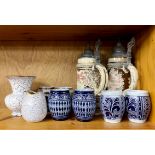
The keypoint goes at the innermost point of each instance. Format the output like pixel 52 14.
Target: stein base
pixel 112 121
pixel 137 121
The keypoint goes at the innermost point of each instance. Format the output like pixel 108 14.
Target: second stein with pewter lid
pixel 122 74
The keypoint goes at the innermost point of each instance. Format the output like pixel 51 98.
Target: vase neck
pixel 20 85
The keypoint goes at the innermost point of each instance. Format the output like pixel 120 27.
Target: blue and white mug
pixel 84 104
pixel 138 105
pixel 112 104
pixel 59 102
pixel 46 91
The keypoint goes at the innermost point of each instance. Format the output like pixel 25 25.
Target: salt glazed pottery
pixel 19 85
pixel 59 102
pixel 84 104
pixel 91 74
pixel 112 105
pixel 138 105
pixel 34 107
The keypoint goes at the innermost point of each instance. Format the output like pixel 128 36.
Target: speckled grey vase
pixel 19 85
pixel 34 107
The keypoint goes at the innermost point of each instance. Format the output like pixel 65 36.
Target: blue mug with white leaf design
pixel 112 105
pixel 138 105
pixel 59 103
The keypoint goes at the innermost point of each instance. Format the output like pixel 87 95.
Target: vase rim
pixel 19 76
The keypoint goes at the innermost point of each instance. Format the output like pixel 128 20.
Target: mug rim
pixel 60 89
pixel 137 93
pixel 84 90
pixel 63 87
pixel 112 92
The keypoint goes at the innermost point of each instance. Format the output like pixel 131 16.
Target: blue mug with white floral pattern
pixel 59 102
pixel 84 104
pixel 112 104
pixel 138 105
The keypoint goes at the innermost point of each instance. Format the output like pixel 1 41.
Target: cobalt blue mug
pixel 59 102
pixel 84 104
pixel 112 105
pixel 138 105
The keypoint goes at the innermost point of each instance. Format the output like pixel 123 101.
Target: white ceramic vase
pixel 19 85
pixel 34 107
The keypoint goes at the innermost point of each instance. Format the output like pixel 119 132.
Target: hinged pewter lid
pixel 119 51
pixel 87 58
pixel 119 54
pixel 88 52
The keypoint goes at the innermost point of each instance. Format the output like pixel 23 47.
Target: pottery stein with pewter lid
pixel 122 74
pixel 90 73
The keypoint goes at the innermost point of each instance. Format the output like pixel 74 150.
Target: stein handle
pixel 134 76
pixel 104 78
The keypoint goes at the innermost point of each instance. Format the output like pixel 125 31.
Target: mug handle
pixel 134 76
pixel 104 78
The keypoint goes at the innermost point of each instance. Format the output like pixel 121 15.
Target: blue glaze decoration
pixel 84 104
pixel 138 108
pixel 112 107
pixel 59 102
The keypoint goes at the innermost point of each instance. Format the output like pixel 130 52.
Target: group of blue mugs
pixel 113 104
pixel 61 101
pixel 135 103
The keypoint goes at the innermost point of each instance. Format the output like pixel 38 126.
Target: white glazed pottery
pixel 34 107
pixel 19 85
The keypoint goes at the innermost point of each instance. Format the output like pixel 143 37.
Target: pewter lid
pixel 119 50
pixel 88 52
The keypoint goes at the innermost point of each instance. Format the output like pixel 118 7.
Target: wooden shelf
pixel 68 32
pixel 51 52
pixel 8 122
